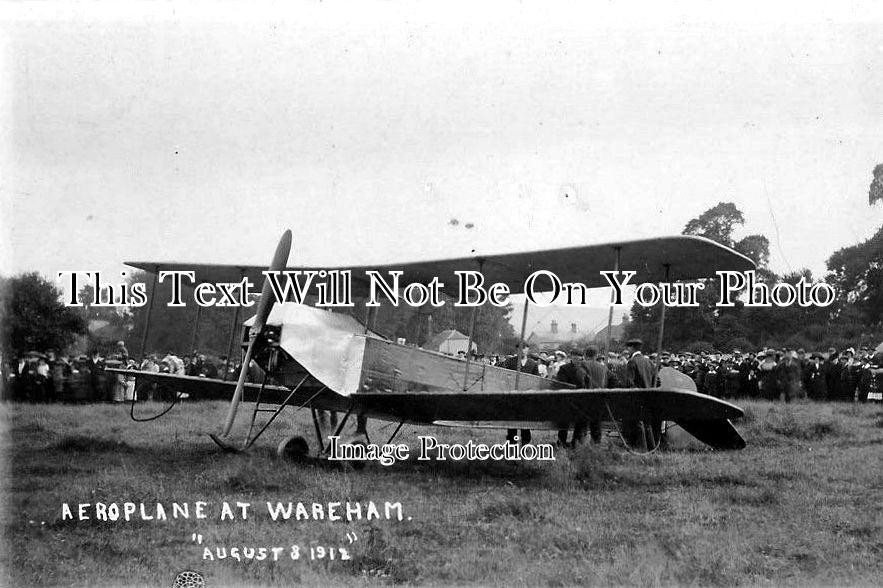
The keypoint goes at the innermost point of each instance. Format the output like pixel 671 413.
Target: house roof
pixel 446 335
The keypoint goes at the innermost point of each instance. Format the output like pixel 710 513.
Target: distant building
pixel 617 333
pixel 449 341
pixel 555 337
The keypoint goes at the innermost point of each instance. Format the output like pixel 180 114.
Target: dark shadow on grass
pixel 78 453
pixel 808 432
pixel 471 472
pixel 781 426
pixel 720 480
pixel 264 476
pixel 382 559
pixel 27 428
pixel 83 444
pixel 511 507
pixel 753 497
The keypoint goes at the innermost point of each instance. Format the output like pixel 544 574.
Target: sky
pixel 380 132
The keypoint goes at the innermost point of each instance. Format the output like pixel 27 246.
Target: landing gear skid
pixel 249 439
pixel 223 444
pixel 296 448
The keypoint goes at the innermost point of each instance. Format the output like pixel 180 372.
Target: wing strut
pixel 469 344
pixel 521 342
pixel 195 328
pixel 394 433
pixel 233 333
pixel 610 313
pixel 662 314
pixel 149 311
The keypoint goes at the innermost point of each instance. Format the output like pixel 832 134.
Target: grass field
pixel 802 505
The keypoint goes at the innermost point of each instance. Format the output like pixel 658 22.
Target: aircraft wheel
pixel 294 449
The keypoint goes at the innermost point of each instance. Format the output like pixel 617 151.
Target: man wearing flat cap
pixel 528 366
pixel 789 376
pixel 640 373
pixel 574 374
pixel 596 377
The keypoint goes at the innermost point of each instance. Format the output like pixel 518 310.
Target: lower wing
pixel 564 406
pixel 705 417
pixel 216 389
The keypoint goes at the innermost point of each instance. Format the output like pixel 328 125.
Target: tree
pixel 857 275
pixel 493 333
pixel 686 325
pixel 756 248
pixel 875 191
pixel 105 324
pixel 716 223
pixel 723 328
pixel 172 328
pixel 33 317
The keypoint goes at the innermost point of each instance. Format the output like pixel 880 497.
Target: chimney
pixel 554 327
pixel 573 327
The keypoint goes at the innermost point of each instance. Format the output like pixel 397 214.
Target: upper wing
pixel 686 258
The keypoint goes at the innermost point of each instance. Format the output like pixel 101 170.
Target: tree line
pixel 855 317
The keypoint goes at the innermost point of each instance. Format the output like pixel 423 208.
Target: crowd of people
pixel 589 369
pixel 784 374
pixel 52 377
pixel 770 374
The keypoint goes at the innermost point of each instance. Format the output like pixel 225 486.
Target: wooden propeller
pixel 265 305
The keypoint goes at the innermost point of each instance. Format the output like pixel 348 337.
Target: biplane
pixel 326 361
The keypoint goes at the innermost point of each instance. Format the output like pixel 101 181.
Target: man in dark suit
pixel 789 375
pixel 640 373
pixel 849 375
pixel 596 377
pixel 528 366
pixel 95 365
pixel 747 377
pixel 573 373
pixel 831 369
